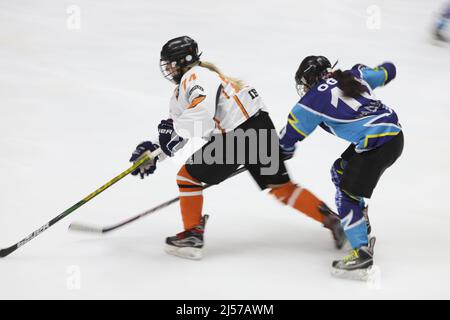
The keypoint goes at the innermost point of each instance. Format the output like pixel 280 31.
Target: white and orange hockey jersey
pixel 206 103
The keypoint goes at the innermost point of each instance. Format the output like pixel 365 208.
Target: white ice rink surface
pixel 74 104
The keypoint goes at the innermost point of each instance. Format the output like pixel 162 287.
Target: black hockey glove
pixel 168 139
pixel 148 167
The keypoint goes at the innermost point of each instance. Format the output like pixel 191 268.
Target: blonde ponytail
pixel 237 83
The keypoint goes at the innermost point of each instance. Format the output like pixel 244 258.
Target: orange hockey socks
pixel 300 199
pixel 191 198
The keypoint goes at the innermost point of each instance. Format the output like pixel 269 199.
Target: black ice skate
pixel 357 264
pixel 333 223
pixel 189 243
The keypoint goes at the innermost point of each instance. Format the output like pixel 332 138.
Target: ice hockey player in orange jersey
pixel 232 117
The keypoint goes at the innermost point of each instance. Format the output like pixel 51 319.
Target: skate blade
pixel 187 253
pixel 359 274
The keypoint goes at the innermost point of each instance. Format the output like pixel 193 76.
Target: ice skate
pixel 189 243
pixel 357 265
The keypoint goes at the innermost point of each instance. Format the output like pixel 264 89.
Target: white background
pixel 75 102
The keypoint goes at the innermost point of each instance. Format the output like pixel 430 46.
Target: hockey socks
pixel 191 198
pixel 300 199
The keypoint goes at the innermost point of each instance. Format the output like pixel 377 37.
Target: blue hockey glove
pixel 390 71
pixel 150 166
pixel 168 139
pixel 287 144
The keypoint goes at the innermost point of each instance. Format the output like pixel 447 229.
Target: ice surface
pixel 74 103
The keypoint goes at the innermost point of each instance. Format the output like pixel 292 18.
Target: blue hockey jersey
pixel 364 121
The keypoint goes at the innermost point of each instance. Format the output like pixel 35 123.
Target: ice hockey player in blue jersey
pixel 442 25
pixel 343 104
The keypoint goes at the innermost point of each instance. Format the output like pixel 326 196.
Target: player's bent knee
pixel 352 197
pixel 336 171
pixel 184 178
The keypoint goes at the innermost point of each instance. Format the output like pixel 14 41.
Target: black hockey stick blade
pixel 7 251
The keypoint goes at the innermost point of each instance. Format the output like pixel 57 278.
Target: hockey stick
pixel 75 226
pixel 147 156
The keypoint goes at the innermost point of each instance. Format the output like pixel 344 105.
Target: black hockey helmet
pixel 311 70
pixel 177 54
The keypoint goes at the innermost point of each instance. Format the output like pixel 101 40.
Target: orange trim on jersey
pixel 193 77
pixel 228 82
pixel 196 101
pixel 218 125
pixel 226 95
pixel 241 106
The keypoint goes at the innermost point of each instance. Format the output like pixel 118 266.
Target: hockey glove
pixel 390 71
pixel 150 166
pixel 287 145
pixel 168 139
